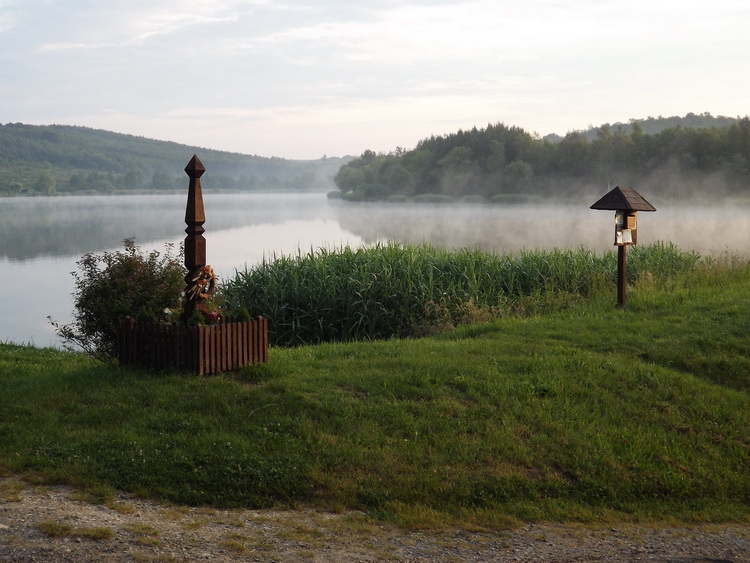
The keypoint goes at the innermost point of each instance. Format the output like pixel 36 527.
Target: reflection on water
pixel 233 249
pixel 40 287
pixel 41 238
pixel 65 226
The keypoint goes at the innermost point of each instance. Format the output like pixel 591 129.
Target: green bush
pixel 434 198
pixel 115 285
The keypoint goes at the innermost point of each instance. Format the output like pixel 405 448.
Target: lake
pixel 42 238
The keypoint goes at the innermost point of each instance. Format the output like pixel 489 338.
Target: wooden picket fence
pixel 199 349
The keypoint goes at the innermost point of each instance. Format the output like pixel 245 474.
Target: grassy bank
pixel 586 414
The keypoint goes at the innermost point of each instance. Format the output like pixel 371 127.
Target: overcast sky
pixel 303 79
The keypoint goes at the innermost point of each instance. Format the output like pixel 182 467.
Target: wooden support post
pixel 622 276
pixel 195 244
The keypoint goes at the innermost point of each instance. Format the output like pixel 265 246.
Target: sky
pixel 307 79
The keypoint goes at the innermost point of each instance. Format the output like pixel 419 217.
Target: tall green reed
pixel 393 290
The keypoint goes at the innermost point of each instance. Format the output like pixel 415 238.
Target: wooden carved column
pixel 199 281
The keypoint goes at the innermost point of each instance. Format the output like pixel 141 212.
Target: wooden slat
pixel 245 337
pixel 235 346
pixel 256 340
pixel 224 350
pixel 200 346
pixel 253 342
pixel 232 346
pixel 264 323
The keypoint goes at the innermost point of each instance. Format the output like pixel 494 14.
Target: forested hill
pixel 36 159
pixel 696 155
pixel 653 125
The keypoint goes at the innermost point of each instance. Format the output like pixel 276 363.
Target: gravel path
pixel 54 524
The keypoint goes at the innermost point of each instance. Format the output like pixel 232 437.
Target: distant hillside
pixel 694 156
pixel 62 158
pixel 654 125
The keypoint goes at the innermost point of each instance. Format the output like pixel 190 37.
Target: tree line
pixel 698 155
pixel 49 159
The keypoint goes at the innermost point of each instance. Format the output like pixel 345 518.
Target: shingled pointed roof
pixel 623 199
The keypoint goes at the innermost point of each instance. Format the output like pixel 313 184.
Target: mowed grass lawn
pixel 588 414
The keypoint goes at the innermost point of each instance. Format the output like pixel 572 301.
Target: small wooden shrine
pixel 625 202
pixel 203 348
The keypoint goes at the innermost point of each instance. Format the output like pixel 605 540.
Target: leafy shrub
pixel 115 285
pixel 398 198
pixel 434 198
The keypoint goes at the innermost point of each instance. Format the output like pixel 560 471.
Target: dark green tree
pixel 45 183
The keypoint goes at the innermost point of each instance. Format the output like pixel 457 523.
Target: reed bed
pixel 394 290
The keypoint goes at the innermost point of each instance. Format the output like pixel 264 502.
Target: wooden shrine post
pixel 622 274
pixel 199 281
pixel 625 202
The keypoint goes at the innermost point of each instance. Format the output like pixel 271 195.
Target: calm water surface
pixel 42 238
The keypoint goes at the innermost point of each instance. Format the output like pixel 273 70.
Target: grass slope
pixel 589 414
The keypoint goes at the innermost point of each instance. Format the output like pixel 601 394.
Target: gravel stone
pixel 144 530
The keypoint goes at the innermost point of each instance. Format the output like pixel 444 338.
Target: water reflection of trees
pixel 72 226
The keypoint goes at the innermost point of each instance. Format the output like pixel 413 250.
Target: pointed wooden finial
pixel 195 168
pixel 194 213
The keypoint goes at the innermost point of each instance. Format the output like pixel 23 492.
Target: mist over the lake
pixel 708 230
pixel 41 238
